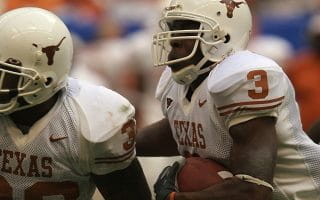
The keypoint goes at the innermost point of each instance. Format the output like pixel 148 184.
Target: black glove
pixel 165 183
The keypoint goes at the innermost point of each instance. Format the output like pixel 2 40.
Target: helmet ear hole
pixel 48 81
pixel 227 37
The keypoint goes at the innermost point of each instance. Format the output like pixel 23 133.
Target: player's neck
pixel 24 119
pixel 195 84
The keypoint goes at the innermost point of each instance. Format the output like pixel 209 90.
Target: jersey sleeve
pixel 107 130
pixel 113 154
pixel 248 92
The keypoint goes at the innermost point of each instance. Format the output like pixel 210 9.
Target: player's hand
pixel 165 183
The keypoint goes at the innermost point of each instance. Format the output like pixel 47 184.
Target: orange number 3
pixel 262 83
pixel 130 129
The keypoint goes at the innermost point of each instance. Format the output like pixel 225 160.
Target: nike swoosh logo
pixel 53 139
pixel 201 103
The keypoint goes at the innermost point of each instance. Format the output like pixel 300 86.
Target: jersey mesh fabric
pixel 307 148
pixel 197 129
pixel 297 162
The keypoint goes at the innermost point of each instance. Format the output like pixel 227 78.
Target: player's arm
pixel 126 184
pixel 107 144
pixel 156 140
pixel 314 132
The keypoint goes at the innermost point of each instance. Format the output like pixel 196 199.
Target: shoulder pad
pixel 102 111
pixel 247 85
pixel 233 70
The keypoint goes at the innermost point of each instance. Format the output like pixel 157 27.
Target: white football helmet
pixel 225 27
pixel 36 47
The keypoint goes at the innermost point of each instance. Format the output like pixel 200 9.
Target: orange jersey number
pixel 130 129
pixel 262 84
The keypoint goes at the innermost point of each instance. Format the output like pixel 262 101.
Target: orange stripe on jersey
pixel 115 158
pixel 250 103
pixel 255 109
pixel 114 161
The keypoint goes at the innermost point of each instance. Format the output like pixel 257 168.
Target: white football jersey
pixel 244 86
pixel 89 130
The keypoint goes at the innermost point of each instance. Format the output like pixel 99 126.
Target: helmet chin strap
pixel 190 73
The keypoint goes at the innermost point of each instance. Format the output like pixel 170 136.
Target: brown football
pixel 198 173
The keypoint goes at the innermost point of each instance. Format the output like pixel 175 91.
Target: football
pixel 198 173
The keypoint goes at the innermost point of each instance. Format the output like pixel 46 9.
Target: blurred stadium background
pixel 112 40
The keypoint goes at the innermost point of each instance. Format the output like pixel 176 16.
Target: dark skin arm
pixel 253 153
pixel 314 132
pixel 127 184
pixel 156 140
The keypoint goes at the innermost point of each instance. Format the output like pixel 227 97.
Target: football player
pixel 225 103
pixel 60 138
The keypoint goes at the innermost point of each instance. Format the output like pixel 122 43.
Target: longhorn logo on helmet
pixel 231 5
pixel 51 50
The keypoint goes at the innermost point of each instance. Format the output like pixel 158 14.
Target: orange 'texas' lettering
pixel 46 163
pixel 202 142
pixel 33 167
pixel 7 156
pixel 189 134
pixel 20 164
pixel 19 157
pixel 185 126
